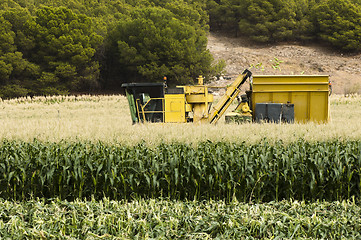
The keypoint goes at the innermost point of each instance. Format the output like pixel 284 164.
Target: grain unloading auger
pixel 270 98
pixel 232 92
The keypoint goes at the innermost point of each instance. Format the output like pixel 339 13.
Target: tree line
pixel 61 46
pixel 336 23
pixel 57 47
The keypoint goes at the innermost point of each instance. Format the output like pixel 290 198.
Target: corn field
pixel 220 171
pixel 107 119
pixel 75 168
pixel 164 219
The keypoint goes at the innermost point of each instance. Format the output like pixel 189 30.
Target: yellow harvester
pixel 270 98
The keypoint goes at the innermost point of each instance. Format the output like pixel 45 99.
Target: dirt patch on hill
pixel 287 59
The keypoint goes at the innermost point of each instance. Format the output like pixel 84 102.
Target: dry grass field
pixel 107 118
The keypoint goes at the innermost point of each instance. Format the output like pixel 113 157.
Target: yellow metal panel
pixel 283 97
pixel 174 108
pixel 304 87
pixel 199 98
pixel 290 79
pixel 261 98
pixel 188 107
pixel 317 112
pixel 300 100
pixel 194 89
pixel 309 94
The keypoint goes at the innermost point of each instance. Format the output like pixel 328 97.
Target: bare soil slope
pixel 292 59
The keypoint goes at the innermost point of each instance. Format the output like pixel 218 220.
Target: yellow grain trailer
pixel 308 94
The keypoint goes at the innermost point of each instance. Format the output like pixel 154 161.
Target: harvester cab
pixel 145 101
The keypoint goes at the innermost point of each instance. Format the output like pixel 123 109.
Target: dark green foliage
pixel 82 46
pixel 226 14
pixel 260 172
pixel 62 46
pixel 159 38
pixel 65 45
pixel 7 36
pixel 276 20
pixel 154 42
pixel 16 72
pixel 336 22
pixel 50 53
pixel 262 20
pixel 13 90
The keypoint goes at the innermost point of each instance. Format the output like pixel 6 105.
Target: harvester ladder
pixel 232 91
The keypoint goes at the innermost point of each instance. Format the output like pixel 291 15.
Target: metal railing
pixel 142 112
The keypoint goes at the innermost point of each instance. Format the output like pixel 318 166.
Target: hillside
pixel 344 70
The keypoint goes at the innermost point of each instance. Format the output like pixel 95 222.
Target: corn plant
pixel 220 170
pixel 168 219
